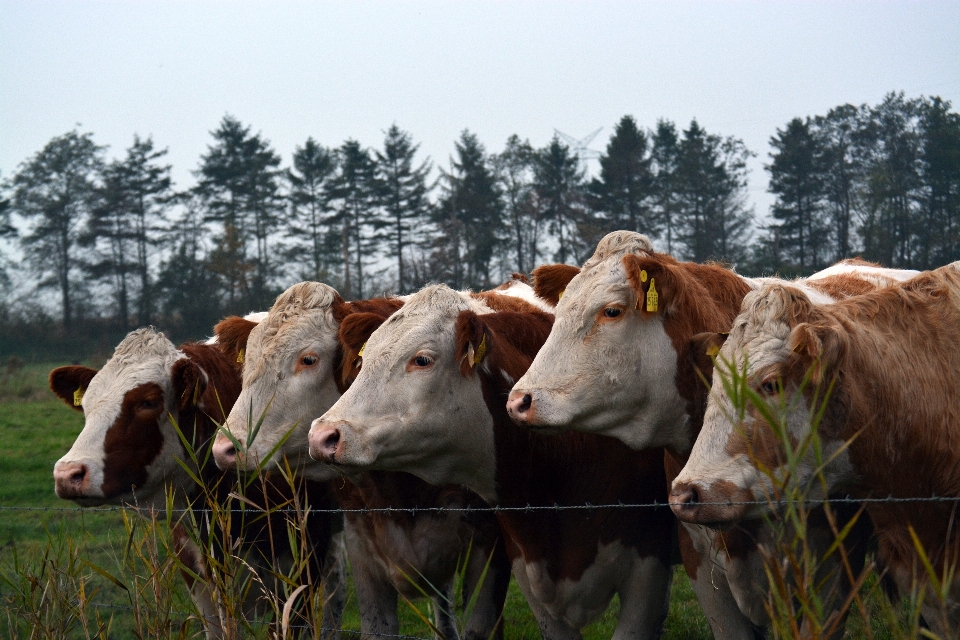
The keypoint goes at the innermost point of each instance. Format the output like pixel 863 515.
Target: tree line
pixel 121 246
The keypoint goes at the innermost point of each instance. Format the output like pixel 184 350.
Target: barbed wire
pixel 493 508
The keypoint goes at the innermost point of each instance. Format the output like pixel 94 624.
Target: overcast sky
pixel 340 70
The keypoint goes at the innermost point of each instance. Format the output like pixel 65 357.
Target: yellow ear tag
pixel 362 347
pixel 78 397
pixel 560 295
pixel 474 357
pixel 713 351
pixel 240 356
pixel 643 275
pixel 653 298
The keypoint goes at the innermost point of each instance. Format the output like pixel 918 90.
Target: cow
pixel 619 362
pixel 131 453
pixel 429 400
pixel 294 369
pixel 881 371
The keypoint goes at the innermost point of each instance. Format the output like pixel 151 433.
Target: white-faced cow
pixel 295 368
pixel 130 452
pixel 620 361
pixel 429 399
pixel 887 368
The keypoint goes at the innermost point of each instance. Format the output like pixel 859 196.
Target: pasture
pixel 106 573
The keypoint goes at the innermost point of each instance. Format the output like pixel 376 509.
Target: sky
pixel 338 70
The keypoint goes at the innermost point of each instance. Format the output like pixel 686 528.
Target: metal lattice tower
pixel 581 147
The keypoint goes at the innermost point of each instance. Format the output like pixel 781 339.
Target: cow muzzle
pixel 719 507
pixel 224 453
pixel 326 440
pixel 73 481
pixel 520 407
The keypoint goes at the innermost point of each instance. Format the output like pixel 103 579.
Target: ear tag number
pixel 653 298
pixel 474 357
pixel 240 356
pixel 78 397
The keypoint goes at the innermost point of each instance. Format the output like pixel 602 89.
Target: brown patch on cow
pixel 355 330
pixel 842 285
pixel 232 334
pixel 550 280
pixel 499 302
pixel 566 470
pixel 133 440
pixel 381 306
pixel 65 381
pixel 188 556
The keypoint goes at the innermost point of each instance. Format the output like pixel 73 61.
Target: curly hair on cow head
pixel 618 243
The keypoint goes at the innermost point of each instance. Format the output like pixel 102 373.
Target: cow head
pixel 777 368
pixel 609 365
pixel 411 408
pixel 129 448
pixel 293 372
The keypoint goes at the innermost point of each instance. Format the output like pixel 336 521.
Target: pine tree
pixel 315 239
pixel 126 225
pixel 623 192
pixel 239 185
pixel 839 168
pixel 403 192
pixel 469 216
pixel 559 186
pixel 514 171
pixel 354 196
pixel 664 158
pixel 940 171
pixel 796 181
pixel 55 190
pixel 711 195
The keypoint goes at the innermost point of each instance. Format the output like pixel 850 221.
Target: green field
pixel 80 547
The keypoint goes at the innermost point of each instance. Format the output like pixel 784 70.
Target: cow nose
pixel 520 406
pixel 325 440
pixel 685 499
pixel 71 480
pixel 225 454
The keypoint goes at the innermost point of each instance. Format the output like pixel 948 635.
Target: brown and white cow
pixel 129 452
pixel 429 399
pixel 884 369
pixel 619 362
pixel 295 368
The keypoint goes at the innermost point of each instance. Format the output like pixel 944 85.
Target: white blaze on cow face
pixel 738 456
pixel 605 367
pixel 288 380
pixel 410 408
pixel 129 447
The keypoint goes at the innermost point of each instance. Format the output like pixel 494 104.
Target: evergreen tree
pixel 940 171
pixel 514 171
pixel 309 224
pixel 126 225
pixel 559 185
pixel 239 185
pixel 664 158
pixel 711 196
pixel 55 190
pixel 839 169
pixel 469 216
pixel 796 181
pixel 623 192
pixel 354 194
pixel 403 192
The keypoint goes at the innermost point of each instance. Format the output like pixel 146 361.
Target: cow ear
pixel 550 281
pixel 355 330
pixel 653 282
pixel 820 348
pixel 189 383
pixel 69 383
pixel 232 334
pixel 472 342
pixel 704 348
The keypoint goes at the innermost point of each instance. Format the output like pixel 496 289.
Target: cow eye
pixel 422 361
pixel 769 387
pixel 309 360
pixel 147 405
pixel 612 312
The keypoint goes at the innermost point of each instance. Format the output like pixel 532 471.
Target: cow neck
pixel 709 300
pixel 199 421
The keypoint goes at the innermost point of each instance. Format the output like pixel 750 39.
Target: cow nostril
pixel 76 478
pixel 330 442
pixel 693 497
pixel 525 403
